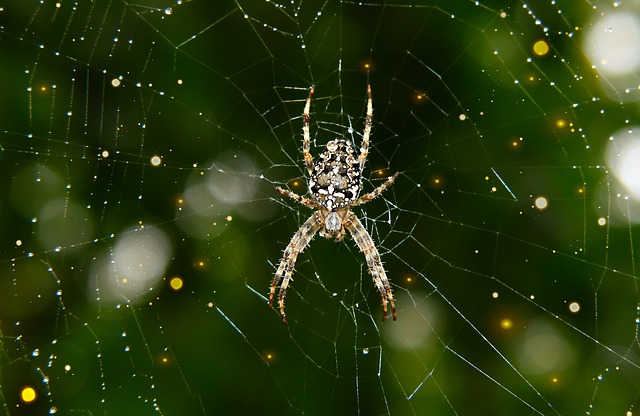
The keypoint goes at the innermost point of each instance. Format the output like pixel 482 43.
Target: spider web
pixel 140 143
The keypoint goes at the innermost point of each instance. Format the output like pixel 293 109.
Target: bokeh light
pixel 63 224
pixel 612 44
pixel 415 329
pixel 543 350
pixel 541 203
pixel 28 394
pixel 623 158
pixel 541 48
pixel 136 264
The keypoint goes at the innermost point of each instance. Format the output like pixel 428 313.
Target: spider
pixel 335 182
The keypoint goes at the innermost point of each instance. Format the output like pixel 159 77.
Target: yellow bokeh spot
pixel 541 203
pixel 541 48
pixel 163 360
pixel 560 123
pixel 574 307
pixel 156 160
pixel 176 283
pixel 28 394
pixel 409 279
pixel 436 181
pixel 201 264
pixel 506 323
pixel 418 97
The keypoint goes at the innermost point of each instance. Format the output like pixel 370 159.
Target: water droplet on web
pixel 168 11
pixel 365 351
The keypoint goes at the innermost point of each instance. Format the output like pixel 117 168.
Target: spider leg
pixel 299 199
pixel 380 189
pixel 306 142
pixel 364 150
pixel 367 246
pixel 298 243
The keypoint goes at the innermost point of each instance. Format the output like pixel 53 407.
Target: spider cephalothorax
pixel 335 182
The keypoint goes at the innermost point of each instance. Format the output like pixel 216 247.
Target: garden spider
pixel 335 182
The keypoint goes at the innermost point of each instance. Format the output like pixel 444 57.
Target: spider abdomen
pixel 335 181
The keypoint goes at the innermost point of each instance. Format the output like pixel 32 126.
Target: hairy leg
pixel 298 243
pixel 380 189
pixel 367 246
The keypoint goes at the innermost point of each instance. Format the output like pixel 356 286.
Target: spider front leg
pixel 306 141
pixel 373 194
pixel 368 121
pixel 298 243
pixel 298 198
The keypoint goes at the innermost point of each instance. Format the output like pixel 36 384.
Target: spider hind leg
pixel 298 243
pixel 367 247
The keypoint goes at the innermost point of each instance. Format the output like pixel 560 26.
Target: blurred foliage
pixel 477 125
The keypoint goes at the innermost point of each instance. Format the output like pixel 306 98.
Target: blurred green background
pixel 139 147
